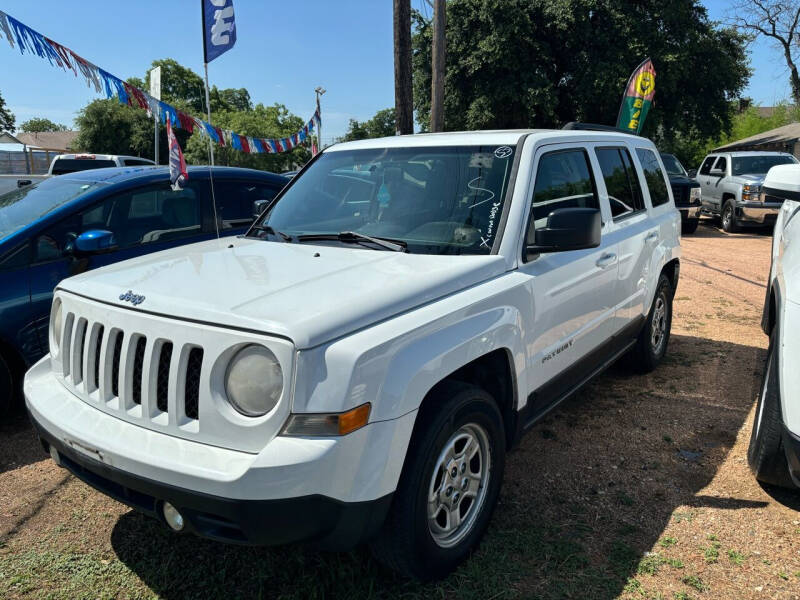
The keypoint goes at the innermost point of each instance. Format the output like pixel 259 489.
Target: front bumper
pixel 689 212
pixel 332 490
pixel 758 213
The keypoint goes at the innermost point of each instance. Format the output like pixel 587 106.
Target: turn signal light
pixel 328 424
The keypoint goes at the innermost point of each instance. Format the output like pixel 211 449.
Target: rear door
pixel 572 293
pixel 704 178
pixel 630 230
pixel 716 178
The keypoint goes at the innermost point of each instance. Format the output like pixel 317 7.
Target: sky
pixel 283 51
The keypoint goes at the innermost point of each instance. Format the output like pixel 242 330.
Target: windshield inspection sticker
pixel 503 152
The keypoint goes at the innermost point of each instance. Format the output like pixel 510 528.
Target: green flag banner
pixel 638 97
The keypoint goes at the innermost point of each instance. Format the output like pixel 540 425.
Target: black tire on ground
pixel 651 345
pixel 689 225
pixel 765 454
pixel 728 218
pixel 8 390
pixel 415 544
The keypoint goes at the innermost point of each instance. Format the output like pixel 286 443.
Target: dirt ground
pixel 636 488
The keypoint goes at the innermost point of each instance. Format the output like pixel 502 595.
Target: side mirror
pixel 94 241
pixel 717 173
pixel 691 173
pixel 259 206
pixel 568 229
pixel 23 182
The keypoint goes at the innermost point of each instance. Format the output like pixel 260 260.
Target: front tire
pixel 729 218
pixel 690 225
pixel 449 486
pixel 651 345
pixel 765 454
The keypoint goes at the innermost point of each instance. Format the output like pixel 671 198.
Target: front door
pixel 572 293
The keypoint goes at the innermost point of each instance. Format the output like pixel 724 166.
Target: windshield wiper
pixel 353 237
pixel 271 231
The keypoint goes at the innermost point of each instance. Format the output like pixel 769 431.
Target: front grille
pixel 193 367
pixel 119 370
pixel 681 194
pixel 138 364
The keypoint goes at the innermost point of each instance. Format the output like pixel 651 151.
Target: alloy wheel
pixel 658 329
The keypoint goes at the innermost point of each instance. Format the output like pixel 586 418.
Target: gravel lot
pixel 636 488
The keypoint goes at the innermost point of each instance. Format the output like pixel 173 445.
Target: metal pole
pixel 155 136
pixel 319 122
pixel 438 66
pixel 208 112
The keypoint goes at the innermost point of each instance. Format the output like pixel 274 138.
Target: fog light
pixel 173 517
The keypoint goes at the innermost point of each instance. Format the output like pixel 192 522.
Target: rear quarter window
pixel 654 176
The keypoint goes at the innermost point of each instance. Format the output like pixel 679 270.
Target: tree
pixel 39 124
pixel 108 127
pixel 381 125
pixel 516 63
pixel 778 20
pixel 7 120
pixel 262 121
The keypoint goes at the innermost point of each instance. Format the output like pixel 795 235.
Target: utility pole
pixel 403 94
pixel 438 65
pixel 319 91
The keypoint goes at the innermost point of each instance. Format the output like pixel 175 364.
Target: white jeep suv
pixel 357 365
pixel 774 452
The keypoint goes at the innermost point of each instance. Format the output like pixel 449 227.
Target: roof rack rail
pixel 576 126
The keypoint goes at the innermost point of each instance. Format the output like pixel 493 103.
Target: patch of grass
pixel 668 541
pixel 622 558
pixel 667 438
pixel 675 563
pixel 632 586
pixel 650 564
pixel 735 557
pixel 783 575
pixel 711 554
pixel 682 596
pixel 693 581
pixel 684 516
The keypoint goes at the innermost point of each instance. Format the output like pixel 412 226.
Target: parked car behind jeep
pixel 731 188
pixel 685 191
pixel 80 221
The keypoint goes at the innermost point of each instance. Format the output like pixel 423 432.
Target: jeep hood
pixel 307 293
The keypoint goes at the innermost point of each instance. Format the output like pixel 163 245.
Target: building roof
pixel 786 134
pixel 52 140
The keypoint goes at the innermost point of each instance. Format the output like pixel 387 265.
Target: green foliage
pixel 7 120
pixel 381 125
pixel 108 127
pixel 262 121
pixel 38 124
pixel 515 63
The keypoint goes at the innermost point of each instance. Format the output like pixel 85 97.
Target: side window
pixel 654 176
pixel 705 168
pixel 54 242
pixel 132 162
pixel 235 201
pixel 563 180
pixel 622 184
pixel 722 164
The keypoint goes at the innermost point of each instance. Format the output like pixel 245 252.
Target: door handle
pixel 606 260
pixel 651 237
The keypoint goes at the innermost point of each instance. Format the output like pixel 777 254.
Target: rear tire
pixel 690 225
pixel 651 345
pixel 765 454
pixel 8 390
pixel 447 491
pixel 728 218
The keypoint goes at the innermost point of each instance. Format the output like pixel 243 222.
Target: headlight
pixel 55 326
pixel 254 381
pixel 694 193
pixel 751 189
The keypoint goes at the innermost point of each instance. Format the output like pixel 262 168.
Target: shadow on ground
pixel 710 228
pixel 587 494
pixel 19 445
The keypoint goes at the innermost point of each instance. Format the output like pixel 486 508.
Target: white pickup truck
pixel 774 452
pixel 357 365
pixel 70 163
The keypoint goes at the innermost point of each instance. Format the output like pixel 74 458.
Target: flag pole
pixel 208 112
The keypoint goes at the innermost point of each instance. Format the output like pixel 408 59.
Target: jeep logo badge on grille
pixel 134 299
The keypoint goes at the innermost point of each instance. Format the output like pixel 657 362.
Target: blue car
pixel 72 223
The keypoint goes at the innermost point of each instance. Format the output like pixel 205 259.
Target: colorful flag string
pixel 103 82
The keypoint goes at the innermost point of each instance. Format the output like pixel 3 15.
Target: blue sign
pixel 219 27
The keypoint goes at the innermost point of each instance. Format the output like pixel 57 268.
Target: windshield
pixel 673 165
pixel 759 164
pixel 25 205
pixel 438 200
